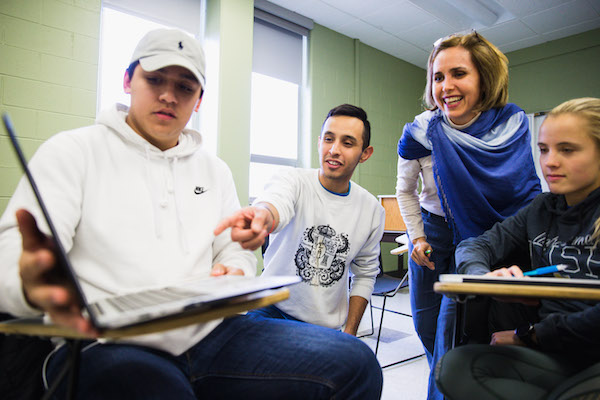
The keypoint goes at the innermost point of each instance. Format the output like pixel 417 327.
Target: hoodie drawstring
pixel 158 198
pixel 182 235
pixel 153 194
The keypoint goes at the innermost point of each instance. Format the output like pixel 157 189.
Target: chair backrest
pixel 264 246
pixel 393 218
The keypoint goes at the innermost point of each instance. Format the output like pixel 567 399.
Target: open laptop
pixel 192 296
pixel 528 280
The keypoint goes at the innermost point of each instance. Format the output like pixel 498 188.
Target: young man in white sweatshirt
pixel 322 227
pixel 134 199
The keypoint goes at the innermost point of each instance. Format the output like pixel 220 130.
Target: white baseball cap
pixel 165 47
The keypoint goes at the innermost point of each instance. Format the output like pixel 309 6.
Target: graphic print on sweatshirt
pixel 321 256
pixel 580 254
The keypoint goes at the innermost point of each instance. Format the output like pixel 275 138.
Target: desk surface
pixel 506 290
pixel 35 326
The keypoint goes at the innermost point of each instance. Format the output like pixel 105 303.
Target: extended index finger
pixel 237 219
pixel 227 222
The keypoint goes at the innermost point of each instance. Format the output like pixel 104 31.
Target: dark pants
pixel 243 358
pixel 485 372
pixel 433 314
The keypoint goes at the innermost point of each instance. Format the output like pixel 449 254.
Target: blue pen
pixel 546 270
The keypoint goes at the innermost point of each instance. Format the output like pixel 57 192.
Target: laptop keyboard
pixel 135 301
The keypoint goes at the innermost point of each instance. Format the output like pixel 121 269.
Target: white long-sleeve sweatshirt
pixel 322 237
pixel 128 214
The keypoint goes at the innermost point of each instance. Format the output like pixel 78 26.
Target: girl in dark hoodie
pixel 544 358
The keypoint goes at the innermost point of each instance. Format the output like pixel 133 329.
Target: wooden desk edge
pixel 537 291
pixel 34 327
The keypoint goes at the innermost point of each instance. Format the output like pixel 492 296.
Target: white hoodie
pixel 128 214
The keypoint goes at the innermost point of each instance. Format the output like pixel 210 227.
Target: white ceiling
pixel 407 28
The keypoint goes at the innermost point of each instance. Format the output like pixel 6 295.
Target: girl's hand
pixel 513 271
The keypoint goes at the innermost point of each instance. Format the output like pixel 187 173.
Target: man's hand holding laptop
pixel 45 290
pixel 42 287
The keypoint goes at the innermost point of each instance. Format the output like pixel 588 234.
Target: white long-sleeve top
pixel 409 201
pixel 321 237
pixel 129 216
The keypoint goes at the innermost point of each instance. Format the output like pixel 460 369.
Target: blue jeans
pixel 271 312
pixel 242 358
pixel 433 314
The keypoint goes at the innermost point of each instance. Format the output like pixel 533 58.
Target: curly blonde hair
pixel 490 62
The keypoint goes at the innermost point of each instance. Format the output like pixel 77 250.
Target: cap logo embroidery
pixel 180 46
pixel 199 190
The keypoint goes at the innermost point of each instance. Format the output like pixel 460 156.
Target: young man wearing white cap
pixel 135 199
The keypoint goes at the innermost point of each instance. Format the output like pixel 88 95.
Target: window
pixel 124 23
pixel 120 32
pixel 277 81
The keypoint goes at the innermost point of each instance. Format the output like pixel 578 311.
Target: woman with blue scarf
pixel 472 153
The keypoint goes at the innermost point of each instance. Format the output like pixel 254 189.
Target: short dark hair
pixel 353 111
pixel 131 68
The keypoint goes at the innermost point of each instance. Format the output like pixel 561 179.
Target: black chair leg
pixel 75 357
pixel 380 324
pixel 379 336
pixel 372 323
pixel 70 367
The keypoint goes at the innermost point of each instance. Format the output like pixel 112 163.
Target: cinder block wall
pixel 48 73
pixel 343 70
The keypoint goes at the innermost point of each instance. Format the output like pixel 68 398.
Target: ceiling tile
pixel 595 4
pixel 297 6
pixel 398 17
pixel 523 8
pixel 572 30
pixel 425 35
pixel 397 46
pixel 360 29
pixel 507 33
pixel 446 12
pixel 520 44
pixel 359 8
pixel 407 28
pixel 326 15
pixel 572 13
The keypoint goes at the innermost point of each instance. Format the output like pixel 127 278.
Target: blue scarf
pixel 483 174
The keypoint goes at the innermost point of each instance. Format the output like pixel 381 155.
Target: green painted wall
pixel 343 70
pixel 390 91
pixel 229 26
pixel 543 76
pixel 331 78
pixel 48 73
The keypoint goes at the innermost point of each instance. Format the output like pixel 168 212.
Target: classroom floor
pixel 406 381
